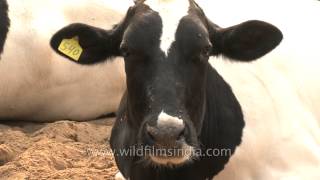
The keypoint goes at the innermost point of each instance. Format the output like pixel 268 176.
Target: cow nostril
pixel 150 135
pixel 150 132
pixel 181 134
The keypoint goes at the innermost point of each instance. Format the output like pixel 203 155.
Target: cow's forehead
pixel 171 12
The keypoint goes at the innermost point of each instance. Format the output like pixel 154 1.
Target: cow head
pixel 166 57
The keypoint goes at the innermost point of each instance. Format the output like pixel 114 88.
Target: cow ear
pixel 246 41
pixel 86 44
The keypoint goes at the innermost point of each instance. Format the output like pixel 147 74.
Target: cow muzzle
pixel 167 139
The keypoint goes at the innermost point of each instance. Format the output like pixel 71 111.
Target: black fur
pixel 181 83
pixel 4 23
pixel 221 129
pixel 247 41
pixel 97 43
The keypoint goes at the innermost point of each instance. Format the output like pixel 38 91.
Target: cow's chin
pixel 184 155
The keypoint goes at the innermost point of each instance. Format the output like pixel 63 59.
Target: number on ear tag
pixel 71 48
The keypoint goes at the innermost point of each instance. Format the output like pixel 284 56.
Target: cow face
pixel 166 61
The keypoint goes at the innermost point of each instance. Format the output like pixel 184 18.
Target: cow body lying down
pixel 38 85
pixel 279 93
pixel 176 104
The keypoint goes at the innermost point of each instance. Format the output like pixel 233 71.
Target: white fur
pixel 279 93
pixel 38 84
pixel 119 176
pixel 166 120
pixel 171 12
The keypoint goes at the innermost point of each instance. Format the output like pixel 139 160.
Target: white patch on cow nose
pixel 171 12
pixel 166 120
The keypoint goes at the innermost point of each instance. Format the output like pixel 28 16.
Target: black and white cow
pixel 175 102
pixel 36 84
pixel 4 23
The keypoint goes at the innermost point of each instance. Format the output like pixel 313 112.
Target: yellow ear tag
pixel 71 48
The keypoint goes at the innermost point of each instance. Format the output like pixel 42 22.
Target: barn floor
pixel 60 150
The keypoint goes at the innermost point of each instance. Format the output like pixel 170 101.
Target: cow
pixel 38 85
pixel 279 94
pixel 176 108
